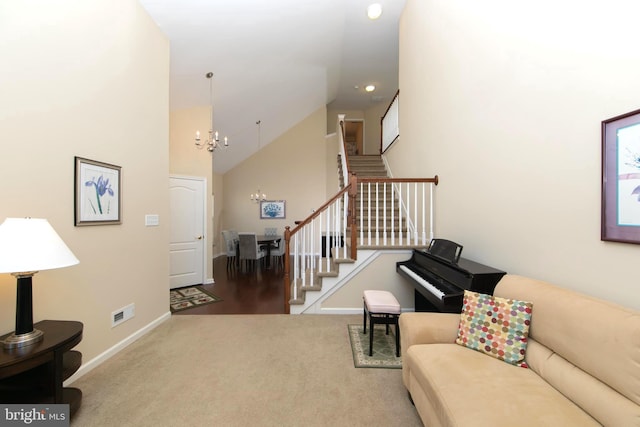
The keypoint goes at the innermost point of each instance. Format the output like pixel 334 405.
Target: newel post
pixel 353 230
pixel 287 266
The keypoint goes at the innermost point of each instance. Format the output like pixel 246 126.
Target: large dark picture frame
pixel 98 195
pixel 621 178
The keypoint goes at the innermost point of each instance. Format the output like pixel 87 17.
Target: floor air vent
pixel 122 315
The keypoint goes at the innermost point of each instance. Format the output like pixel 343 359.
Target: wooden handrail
pixel 317 212
pixel 392 180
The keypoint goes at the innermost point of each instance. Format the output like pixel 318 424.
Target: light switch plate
pixel 151 220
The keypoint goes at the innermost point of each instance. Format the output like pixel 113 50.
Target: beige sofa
pixel 583 356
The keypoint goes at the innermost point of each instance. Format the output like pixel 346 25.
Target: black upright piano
pixel 440 281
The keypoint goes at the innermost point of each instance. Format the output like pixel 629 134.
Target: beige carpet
pixel 243 370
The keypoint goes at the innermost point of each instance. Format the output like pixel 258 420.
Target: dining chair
pixel 249 249
pixel 231 247
pixel 278 252
pixel 271 231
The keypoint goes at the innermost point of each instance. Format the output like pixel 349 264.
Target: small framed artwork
pixel 621 178
pixel 272 209
pixel 98 193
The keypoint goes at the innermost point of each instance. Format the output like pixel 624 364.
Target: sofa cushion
pixel 495 326
pixel 599 337
pixel 466 388
pixel 591 352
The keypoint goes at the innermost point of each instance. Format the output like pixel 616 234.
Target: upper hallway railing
pixel 390 124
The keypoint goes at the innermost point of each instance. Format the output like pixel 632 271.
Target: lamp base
pixel 23 340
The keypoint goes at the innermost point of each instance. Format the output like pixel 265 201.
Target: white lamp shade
pixel 31 244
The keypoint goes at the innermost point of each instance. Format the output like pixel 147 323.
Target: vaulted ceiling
pixel 276 61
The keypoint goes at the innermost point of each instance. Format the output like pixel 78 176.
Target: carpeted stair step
pixel 315 285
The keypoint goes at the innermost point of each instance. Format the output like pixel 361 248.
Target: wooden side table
pixel 35 373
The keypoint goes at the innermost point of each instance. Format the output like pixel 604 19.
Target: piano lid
pixel 445 249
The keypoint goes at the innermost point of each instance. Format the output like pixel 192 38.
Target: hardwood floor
pixel 243 291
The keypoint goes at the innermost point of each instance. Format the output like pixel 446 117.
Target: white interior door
pixel 186 247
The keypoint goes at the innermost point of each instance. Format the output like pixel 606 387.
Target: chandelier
pixel 213 141
pixel 258 196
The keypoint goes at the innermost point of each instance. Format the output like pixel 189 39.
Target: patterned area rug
pixel 189 297
pixel 384 348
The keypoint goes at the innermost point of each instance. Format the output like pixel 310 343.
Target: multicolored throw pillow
pixel 498 327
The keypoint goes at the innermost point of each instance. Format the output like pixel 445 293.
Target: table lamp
pixel 28 245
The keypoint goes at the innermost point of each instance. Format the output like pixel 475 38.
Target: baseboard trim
pixel 109 353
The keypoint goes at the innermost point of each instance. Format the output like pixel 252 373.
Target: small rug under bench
pixel 384 348
pixel 190 297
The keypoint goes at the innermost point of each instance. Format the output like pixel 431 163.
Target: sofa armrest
pixel 428 328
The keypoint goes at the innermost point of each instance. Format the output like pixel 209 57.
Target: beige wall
pixel 290 168
pixel 333 180
pixel 504 102
pixel 87 79
pixel 372 128
pixel 380 274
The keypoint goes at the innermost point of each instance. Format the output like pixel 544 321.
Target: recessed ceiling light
pixel 374 11
pixel 370 88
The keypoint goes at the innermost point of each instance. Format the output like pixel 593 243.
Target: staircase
pixel 367 166
pixel 372 212
pixel 374 205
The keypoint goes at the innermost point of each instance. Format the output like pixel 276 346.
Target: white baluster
pixel 296 272
pixel 384 214
pixel 431 212
pixel 408 221
pixel 415 213
pixel 400 213
pixel 393 214
pixel 369 213
pixel 377 215
pixel 424 214
pixel 312 251
pixel 345 209
pixel 361 213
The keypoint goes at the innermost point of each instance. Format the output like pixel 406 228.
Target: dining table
pixel 266 241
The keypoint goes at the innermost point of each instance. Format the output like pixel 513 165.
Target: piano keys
pixel 440 284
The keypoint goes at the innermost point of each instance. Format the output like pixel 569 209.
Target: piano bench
pixel 382 308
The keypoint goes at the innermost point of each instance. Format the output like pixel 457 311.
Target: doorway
pixel 188 231
pixel 354 137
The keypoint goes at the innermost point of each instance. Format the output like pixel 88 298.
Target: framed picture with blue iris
pixel 272 209
pixel 98 196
